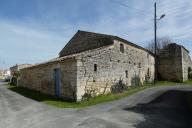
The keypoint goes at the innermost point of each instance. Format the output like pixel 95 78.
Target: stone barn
pixel 174 63
pixel 90 61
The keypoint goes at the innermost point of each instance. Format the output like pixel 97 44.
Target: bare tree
pixel 161 43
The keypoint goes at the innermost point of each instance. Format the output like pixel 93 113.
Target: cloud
pixel 29 31
pixel 40 35
pixel 20 44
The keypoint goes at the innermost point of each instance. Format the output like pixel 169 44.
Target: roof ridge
pixel 117 37
pixel 96 36
pixel 95 33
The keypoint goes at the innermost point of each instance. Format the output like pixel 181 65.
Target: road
pixel 160 107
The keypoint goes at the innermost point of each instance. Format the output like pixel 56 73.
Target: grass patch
pixel 58 102
pixel 188 82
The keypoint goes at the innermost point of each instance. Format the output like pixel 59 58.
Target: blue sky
pixel 32 31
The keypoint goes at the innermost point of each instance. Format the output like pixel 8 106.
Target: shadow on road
pixel 170 110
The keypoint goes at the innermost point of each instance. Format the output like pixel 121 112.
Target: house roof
pixel 83 41
pixel 59 59
pixel 52 61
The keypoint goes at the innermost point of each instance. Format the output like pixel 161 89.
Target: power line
pixel 143 12
pixel 172 4
pixel 174 9
pixel 139 10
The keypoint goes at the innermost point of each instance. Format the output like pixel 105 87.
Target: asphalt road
pixel 161 107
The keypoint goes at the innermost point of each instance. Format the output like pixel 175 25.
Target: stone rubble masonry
pixel 173 63
pixel 93 62
pixel 78 75
pixel 186 63
pixel 112 66
pixel 41 78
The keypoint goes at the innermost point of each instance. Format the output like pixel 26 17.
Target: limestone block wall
pixel 100 68
pixel 170 63
pixel 41 78
pixel 69 79
pixel 186 63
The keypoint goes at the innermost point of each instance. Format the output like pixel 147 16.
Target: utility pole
pixel 155 39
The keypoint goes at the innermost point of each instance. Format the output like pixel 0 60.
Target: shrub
pixel 119 87
pixel 89 94
pixel 14 81
pixel 135 81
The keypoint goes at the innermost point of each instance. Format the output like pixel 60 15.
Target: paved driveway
pixel 17 111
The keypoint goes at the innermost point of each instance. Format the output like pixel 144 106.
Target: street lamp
pixel 155 38
pixel 162 16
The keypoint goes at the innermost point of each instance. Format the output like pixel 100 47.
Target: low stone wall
pixel 41 78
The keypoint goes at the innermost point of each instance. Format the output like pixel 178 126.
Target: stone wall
pixel 41 78
pixel 133 66
pixel 186 63
pixel 69 79
pixel 96 70
pixel 170 63
pixel 173 63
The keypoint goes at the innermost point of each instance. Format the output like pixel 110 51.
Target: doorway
pixel 57 79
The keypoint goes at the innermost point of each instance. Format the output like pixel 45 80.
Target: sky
pixel 33 31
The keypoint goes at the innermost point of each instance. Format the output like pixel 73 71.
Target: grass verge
pixel 57 102
pixel 188 82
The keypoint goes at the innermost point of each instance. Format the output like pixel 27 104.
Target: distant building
pixel 5 74
pixel 15 72
pixel 174 63
pixel 17 68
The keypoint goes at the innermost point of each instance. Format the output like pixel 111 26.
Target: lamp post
pixel 155 39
